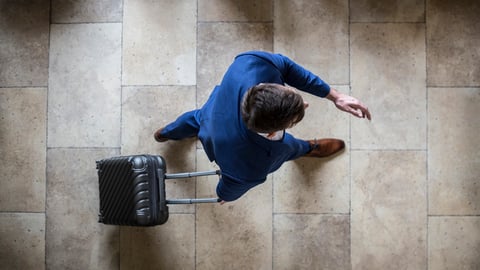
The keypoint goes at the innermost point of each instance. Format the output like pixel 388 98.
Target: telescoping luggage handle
pixel 188 175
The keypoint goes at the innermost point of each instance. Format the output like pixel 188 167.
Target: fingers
pixel 361 111
pixel 353 106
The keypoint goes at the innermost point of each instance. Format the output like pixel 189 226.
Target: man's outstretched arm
pixel 349 104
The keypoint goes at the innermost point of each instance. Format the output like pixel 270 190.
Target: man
pixel 242 125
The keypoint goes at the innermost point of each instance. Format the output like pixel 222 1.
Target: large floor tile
pixel 453 243
pixel 74 238
pixel 24 32
pixel 310 185
pixel 23 241
pixel 311 242
pixel 453 40
pixel 246 10
pixel 71 11
pixel 388 75
pixel 236 235
pixel 219 43
pixel 387 11
pixel 453 151
pixel 314 34
pixel 23 149
pixel 159 42
pixel 84 85
pixel 144 110
pixel 169 246
pixel 389 210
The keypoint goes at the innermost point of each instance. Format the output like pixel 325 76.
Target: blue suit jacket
pixel 244 157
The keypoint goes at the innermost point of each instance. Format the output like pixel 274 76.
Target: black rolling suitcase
pixel 132 190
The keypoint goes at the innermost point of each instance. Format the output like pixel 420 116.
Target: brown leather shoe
pixel 158 137
pixel 324 147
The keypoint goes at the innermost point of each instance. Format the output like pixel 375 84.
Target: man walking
pixel 242 124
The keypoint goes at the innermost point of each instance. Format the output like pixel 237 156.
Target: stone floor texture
pixel 85 80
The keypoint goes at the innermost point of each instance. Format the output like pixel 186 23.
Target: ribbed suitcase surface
pixel 132 190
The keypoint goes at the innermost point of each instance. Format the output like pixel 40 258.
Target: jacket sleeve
pixel 295 75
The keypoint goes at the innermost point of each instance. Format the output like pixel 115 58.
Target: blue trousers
pixel 185 126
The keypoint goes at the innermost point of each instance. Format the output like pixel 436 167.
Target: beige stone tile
pixel 311 242
pixel 316 185
pixel 72 11
pixel 246 10
pixel 73 235
pixel 169 246
pixel 236 235
pixel 23 149
pixel 453 147
pixel 389 210
pixel 453 40
pixel 144 110
pixel 388 75
pixel 453 243
pixel 387 11
pixel 311 185
pixel 84 85
pixel 23 240
pixel 24 33
pixel 315 35
pixel 159 42
pixel 219 43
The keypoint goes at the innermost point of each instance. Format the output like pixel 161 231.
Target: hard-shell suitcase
pixel 132 190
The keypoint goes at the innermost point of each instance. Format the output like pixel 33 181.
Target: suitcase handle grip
pixel 190 174
pixel 191 201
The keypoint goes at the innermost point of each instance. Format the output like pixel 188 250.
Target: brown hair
pixel 269 107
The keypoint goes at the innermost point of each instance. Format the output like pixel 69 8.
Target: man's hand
pixel 349 104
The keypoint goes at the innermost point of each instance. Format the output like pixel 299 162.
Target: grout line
pixel 387 150
pixel 195 229
pixel 23 212
pixel 119 232
pixel 156 85
pixel 454 216
pixel 67 23
pixel 26 86
pixel 46 133
pixel 426 139
pixel 386 22
pixel 121 79
pixel 309 214
pixel 350 136
pixel 272 228
pixel 84 147
pixel 236 22
pixel 451 86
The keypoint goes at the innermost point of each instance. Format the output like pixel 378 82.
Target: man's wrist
pixel 333 95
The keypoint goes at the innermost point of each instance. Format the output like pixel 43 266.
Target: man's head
pixel 269 107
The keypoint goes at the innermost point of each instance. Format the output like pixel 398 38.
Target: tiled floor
pixel 84 80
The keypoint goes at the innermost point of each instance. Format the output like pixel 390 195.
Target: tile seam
pixel 426 139
pixel 386 22
pixel 196 145
pixel 26 86
pixel 119 244
pixel 46 133
pixel 22 212
pixel 350 137
pixel 68 23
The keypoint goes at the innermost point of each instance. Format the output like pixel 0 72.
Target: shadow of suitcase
pixel 132 190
